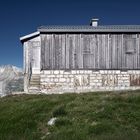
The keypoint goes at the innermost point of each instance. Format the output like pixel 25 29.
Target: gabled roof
pixel 106 28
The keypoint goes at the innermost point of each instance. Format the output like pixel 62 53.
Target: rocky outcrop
pixel 11 79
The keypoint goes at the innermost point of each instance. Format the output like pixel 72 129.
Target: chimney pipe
pixel 94 22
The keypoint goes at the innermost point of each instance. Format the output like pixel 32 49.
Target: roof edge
pixel 29 36
pixel 87 28
pixel 88 31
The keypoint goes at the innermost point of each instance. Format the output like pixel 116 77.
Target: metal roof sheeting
pixel 107 28
pixel 84 29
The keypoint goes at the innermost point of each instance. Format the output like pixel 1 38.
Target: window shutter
pixel 130 43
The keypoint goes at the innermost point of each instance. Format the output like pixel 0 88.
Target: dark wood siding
pixel 90 51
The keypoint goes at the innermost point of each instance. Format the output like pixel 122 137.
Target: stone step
pixel 33 89
pixel 36 75
pixel 34 84
pixel 36 80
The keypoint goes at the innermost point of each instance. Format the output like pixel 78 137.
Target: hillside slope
pixel 92 116
pixel 11 79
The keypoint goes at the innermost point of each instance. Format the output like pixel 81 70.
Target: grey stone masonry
pixel 60 81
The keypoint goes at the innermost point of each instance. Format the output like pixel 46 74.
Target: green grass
pixel 88 116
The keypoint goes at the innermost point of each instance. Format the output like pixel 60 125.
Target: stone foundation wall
pixel 60 81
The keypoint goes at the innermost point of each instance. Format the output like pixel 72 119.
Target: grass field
pixel 88 116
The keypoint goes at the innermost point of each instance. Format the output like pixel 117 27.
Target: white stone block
pixel 95 72
pixel 62 79
pixel 110 71
pixel 117 72
pixel 77 71
pixel 42 72
pixel 102 71
pixel 56 72
pixel 52 79
pixel 73 71
pixel 47 80
pixel 55 79
pixel 130 72
pixel 61 71
pixel 124 72
pixel 96 81
pixel 133 71
pixel 125 75
pixel 68 80
pixel 89 72
pixel 124 78
pixel 92 84
pixel 59 76
pixel 92 78
pixel 93 75
pixel 66 75
pixel 137 71
pixel 72 80
pixel 99 77
pixel 122 88
pixel 100 80
pixel 42 76
pixel 67 72
pixel 42 80
pixel 106 71
pixel 99 84
pixel 50 76
pixel 81 71
pixel 86 71
pixel 70 75
pixel 47 72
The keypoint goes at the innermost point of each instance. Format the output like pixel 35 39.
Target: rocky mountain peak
pixel 11 79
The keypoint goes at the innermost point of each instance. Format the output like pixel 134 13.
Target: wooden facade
pixel 95 51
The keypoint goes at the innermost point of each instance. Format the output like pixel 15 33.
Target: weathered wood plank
pixel 138 52
pixel 67 51
pixel 63 51
pixel 119 58
pixel 52 55
pixel 47 52
pixel 88 51
pixel 43 51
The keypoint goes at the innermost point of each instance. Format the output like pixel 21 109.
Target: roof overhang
pixel 29 36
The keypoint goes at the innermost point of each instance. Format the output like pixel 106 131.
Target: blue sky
pixel 21 17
